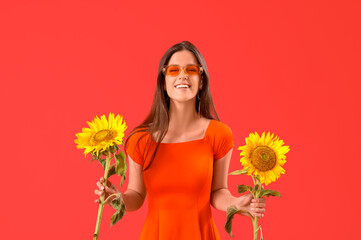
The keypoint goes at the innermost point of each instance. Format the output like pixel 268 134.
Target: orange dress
pixel 178 183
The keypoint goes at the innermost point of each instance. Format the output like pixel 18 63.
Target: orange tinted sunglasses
pixel 175 70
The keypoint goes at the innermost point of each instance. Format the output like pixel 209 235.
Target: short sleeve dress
pixel 178 183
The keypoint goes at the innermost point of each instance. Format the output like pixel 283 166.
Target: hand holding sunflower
pixel 263 158
pixel 102 139
pixel 110 191
pixel 249 204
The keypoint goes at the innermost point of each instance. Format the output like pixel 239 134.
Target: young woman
pixel 180 155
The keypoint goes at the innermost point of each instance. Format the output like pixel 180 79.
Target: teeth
pixel 182 86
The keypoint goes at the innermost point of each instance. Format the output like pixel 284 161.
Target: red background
pixel 289 67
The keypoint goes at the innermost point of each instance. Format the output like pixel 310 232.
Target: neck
pixel 182 114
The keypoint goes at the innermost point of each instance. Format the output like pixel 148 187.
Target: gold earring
pixel 199 103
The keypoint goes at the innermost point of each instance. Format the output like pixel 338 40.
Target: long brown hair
pixel 157 120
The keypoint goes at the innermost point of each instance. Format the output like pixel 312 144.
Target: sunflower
pixel 264 156
pixel 101 135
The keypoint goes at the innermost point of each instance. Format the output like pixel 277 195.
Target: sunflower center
pixel 263 158
pixel 103 135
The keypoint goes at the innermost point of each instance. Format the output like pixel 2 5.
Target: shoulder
pixel 137 136
pixel 136 140
pixel 136 144
pixel 221 128
pixel 222 139
pixel 218 132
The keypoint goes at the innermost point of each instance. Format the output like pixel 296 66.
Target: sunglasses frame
pixel 164 69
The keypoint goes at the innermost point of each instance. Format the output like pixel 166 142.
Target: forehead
pixel 182 58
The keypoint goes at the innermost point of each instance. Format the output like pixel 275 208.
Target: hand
pixel 109 190
pixel 256 206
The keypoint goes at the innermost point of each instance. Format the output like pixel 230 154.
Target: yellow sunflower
pixel 101 134
pixel 264 156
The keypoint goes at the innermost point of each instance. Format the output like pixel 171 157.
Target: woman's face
pixel 182 58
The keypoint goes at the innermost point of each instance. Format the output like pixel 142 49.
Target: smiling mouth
pixel 182 86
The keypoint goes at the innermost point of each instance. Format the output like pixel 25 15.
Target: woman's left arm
pixel 221 197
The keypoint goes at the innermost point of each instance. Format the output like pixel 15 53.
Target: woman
pixel 180 155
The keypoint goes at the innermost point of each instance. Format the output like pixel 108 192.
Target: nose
pixel 183 73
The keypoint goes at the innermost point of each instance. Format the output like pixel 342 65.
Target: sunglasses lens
pixel 192 70
pixel 173 70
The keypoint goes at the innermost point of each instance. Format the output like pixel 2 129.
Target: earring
pixel 199 104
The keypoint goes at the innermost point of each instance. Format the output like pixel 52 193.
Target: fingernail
pixel 252 209
pixel 102 187
pixel 252 204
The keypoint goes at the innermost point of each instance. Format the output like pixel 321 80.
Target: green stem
pixel 256 194
pixel 114 194
pixel 255 228
pixel 101 205
pixel 254 183
pixel 261 232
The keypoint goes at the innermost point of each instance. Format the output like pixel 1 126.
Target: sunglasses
pixel 175 70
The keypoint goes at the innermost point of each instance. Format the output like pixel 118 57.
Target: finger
pixel 259 210
pixel 100 186
pixel 259 205
pixel 109 183
pixel 98 192
pixel 259 200
pixel 96 201
pixel 109 190
pixel 257 214
pixel 102 182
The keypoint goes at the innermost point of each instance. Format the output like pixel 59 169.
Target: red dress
pixel 178 183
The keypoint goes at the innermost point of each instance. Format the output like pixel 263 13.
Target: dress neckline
pixel 196 140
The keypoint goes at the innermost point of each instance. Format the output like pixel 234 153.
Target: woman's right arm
pixel 135 194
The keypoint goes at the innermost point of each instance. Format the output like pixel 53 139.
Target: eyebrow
pixel 193 64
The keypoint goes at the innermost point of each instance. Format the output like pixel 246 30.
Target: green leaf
pixel 231 211
pixel 239 172
pixel 256 187
pixel 118 205
pixel 112 149
pixel 116 217
pixel 243 188
pixel 103 162
pixel 94 155
pixel 117 202
pixel 93 158
pixel 121 166
pixel 269 192
pixel 116 147
pixel 111 171
pixel 122 180
pixel 120 162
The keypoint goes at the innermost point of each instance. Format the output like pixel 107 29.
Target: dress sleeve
pixel 133 149
pixel 223 141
